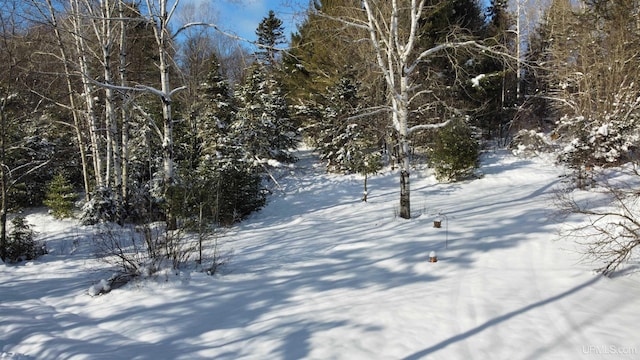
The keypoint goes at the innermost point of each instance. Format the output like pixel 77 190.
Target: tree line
pixel 151 117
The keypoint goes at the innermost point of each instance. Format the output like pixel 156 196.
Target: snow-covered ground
pixel 318 274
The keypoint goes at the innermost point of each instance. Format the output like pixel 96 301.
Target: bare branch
pixel 225 33
pixel 370 112
pixel 149 119
pixel 30 171
pixel 611 231
pixel 428 126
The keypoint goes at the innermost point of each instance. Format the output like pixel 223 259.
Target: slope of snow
pixel 318 274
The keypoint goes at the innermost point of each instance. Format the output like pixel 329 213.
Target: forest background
pixel 153 114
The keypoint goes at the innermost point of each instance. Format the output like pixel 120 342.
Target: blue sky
pixel 243 16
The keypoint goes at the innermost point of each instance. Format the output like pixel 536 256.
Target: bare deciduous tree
pixel 48 13
pixel 610 231
pixel 392 30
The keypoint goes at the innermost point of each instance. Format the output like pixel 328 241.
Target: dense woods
pixel 153 118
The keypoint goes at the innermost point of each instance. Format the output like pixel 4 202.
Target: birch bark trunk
pixel 64 56
pixel 90 113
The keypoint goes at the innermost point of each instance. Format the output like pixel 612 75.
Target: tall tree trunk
pixel 398 59
pixel 105 37
pixel 81 49
pixel 403 131
pixel 113 166
pixel 3 183
pixel 393 59
pixel 124 107
pixel 167 141
pixel 163 40
pixel 518 60
pixel 72 100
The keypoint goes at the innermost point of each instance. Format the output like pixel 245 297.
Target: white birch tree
pixel 102 15
pixel 125 104
pixel 48 12
pixel 77 31
pixel 393 31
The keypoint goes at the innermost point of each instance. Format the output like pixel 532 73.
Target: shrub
pixel 529 143
pixel 609 233
pixel 21 244
pixel 455 151
pixel 101 208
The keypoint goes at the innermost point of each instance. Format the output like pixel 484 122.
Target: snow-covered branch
pixel 370 112
pixel 149 119
pixel 428 126
pixel 30 171
pixel 225 33
pixel 347 22
pixel 139 88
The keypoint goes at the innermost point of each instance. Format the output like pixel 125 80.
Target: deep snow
pixel 318 274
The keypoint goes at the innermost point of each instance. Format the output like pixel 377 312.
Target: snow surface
pixel 318 274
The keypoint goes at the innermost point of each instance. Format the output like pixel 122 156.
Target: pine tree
pixel 455 152
pixel 342 138
pixel 321 54
pixel 263 124
pixel 495 96
pixel 222 183
pixel 22 244
pixel 218 107
pixel 60 197
pixel 270 34
pixel 232 179
pixel 452 76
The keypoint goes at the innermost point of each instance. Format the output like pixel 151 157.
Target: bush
pixel 101 208
pixel 609 233
pixel 455 152
pixel 21 244
pixel 529 143
pixel 60 197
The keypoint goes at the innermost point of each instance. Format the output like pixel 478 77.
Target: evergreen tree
pixel 270 34
pixel 60 197
pixel 263 124
pixel 455 153
pixel 342 138
pixel 22 244
pixel 459 81
pixel 231 179
pixel 324 57
pixel 219 182
pixel 493 91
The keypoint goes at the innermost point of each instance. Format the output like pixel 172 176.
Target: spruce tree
pixel 60 197
pixel 270 34
pixel 343 139
pixel 494 89
pixel 455 153
pixel 225 185
pixel 263 124
pixel 22 244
